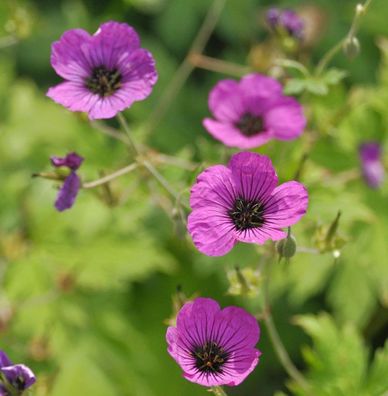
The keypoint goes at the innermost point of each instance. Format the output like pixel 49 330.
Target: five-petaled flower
pixel 214 347
pixel 14 378
pixel 105 72
pixel 287 21
pixel 372 167
pixel 72 183
pixel 252 111
pixel 242 202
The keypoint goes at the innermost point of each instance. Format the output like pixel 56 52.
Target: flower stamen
pixel 250 125
pixel 104 82
pixel 247 214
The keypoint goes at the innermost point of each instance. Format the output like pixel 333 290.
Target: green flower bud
pixel 286 247
pixel 351 47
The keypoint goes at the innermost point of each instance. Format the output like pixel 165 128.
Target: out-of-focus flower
pixel 16 377
pixel 72 183
pixel 241 202
pixel 214 347
pixel 287 21
pixel 105 72
pixel 252 111
pixel 372 167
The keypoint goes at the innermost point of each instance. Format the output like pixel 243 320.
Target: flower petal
pixel 244 363
pixel 232 137
pixel 67 55
pixel 72 161
pixel 287 204
pixel 19 375
pixel 253 175
pixel 285 120
pixel 226 101
pixel 212 231
pixel 4 360
pixel 260 86
pixel 73 96
pixel 68 193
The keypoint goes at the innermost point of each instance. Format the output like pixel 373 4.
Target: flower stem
pixel 219 391
pixel 218 65
pixel 276 341
pixel 110 177
pixel 329 55
pixel 125 126
pixel 186 67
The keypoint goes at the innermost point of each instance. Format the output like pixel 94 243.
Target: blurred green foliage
pixel 85 293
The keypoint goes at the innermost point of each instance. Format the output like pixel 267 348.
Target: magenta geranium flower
pixel 285 21
pixel 105 72
pixel 252 111
pixel 372 167
pixel 242 202
pixel 14 378
pixel 214 347
pixel 72 183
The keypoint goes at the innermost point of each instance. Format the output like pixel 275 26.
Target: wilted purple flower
pixel 372 168
pixel 105 72
pixel 241 202
pixel 252 111
pixel 69 190
pixel 285 20
pixel 16 376
pixel 214 347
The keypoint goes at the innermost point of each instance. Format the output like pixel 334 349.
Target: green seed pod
pixel 286 247
pixel 351 47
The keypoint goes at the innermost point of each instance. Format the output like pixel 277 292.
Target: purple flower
pixel 105 72
pixel 214 347
pixel 242 202
pixel 17 376
pixel 251 112
pixel 285 20
pixel 69 190
pixel 372 168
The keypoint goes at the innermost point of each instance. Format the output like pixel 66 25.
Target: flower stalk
pixel 218 391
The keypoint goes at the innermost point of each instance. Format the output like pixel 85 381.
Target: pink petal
pixel 260 86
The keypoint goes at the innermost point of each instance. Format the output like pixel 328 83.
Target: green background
pixel 85 294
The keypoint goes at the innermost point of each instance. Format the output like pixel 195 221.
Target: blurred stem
pixel 165 184
pixel 125 126
pixel 112 176
pixel 218 65
pixel 329 55
pixel 219 391
pixel 276 341
pixel 186 67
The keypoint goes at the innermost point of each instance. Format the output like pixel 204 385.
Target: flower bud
pixel 351 47
pixel 286 247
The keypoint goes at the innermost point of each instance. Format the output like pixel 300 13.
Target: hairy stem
pixel 125 126
pixel 186 67
pixel 219 391
pixel 274 336
pixel 112 176
pixel 329 55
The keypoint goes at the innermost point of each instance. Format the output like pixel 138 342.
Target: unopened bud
pixel 286 248
pixel 360 9
pixel 351 47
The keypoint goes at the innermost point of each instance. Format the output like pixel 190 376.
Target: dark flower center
pixel 250 125
pixel 19 383
pixel 247 214
pixel 210 357
pixel 104 82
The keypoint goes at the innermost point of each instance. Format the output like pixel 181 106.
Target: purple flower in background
pixel 252 111
pixel 69 190
pixel 214 347
pixel 285 20
pixel 105 72
pixel 372 167
pixel 242 202
pixel 17 376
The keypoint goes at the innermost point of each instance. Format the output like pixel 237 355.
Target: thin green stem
pixel 219 391
pixel 329 55
pixel 163 182
pixel 125 126
pixel 186 67
pixel 274 336
pixel 112 176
